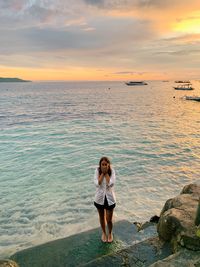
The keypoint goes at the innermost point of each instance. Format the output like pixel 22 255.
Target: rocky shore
pixel 171 239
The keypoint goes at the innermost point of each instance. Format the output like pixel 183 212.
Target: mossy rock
pixel 8 263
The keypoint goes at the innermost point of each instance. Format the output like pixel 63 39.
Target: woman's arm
pixel 110 180
pixel 98 178
pixel 107 178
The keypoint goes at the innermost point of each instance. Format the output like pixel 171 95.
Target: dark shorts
pixel 105 205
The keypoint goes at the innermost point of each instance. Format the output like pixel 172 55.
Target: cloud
pixel 100 3
pixel 38 13
pixel 105 34
pixel 127 4
pixel 183 38
pixel 13 5
pixel 41 13
pixel 129 73
pixel 122 34
pixel 181 52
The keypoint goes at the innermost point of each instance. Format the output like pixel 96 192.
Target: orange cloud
pixel 179 16
pixel 125 39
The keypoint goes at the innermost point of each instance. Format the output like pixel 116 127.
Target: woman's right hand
pixel 100 178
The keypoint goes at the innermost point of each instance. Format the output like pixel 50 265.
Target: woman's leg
pixel 109 216
pixel 102 221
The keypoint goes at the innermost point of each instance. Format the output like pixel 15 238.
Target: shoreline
pixel 158 234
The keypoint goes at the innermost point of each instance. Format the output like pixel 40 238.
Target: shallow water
pixel 53 135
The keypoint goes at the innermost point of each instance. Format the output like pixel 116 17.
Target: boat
pixel 195 98
pixel 136 83
pixel 182 81
pixel 187 86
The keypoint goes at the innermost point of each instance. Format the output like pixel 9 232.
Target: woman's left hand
pixel 107 178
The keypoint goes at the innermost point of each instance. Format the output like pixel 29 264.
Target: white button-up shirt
pixel 103 190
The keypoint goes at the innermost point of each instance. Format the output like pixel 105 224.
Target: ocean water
pixel 53 135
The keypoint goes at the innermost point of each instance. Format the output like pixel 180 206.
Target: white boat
pixel 136 83
pixel 195 98
pixel 187 86
pixel 182 81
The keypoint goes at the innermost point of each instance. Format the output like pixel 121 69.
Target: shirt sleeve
pixel 112 179
pixel 96 176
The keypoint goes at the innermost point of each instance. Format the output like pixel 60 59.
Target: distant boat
pixel 182 81
pixel 195 98
pixel 187 86
pixel 136 83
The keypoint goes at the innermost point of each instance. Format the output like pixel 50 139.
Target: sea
pixel 52 136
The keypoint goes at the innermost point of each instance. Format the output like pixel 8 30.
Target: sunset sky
pixel 100 39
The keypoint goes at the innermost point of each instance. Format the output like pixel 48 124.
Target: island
pixel 15 80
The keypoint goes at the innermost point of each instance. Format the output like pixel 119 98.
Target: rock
pixel 187 202
pixel 141 254
pixel 168 225
pixel 183 258
pixel 189 239
pixel 78 249
pixel 197 219
pixel 155 219
pixel 191 189
pixel 135 244
pixel 177 219
pixel 8 263
pixel 142 226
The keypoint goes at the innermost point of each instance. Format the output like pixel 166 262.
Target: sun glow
pixel 188 26
pixel 78 74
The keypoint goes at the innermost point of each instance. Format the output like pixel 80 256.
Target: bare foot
pixel 110 238
pixel 104 237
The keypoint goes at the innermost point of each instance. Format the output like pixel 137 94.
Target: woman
pixel 105 201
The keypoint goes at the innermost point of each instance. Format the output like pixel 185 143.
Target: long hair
pixel 109 168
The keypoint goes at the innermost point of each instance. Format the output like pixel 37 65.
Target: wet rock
pixel 152 222
pixel 183 258
pixel 197 219
pixel 138 255
pixel 142 226
pixel 134 244
pixel 77 249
